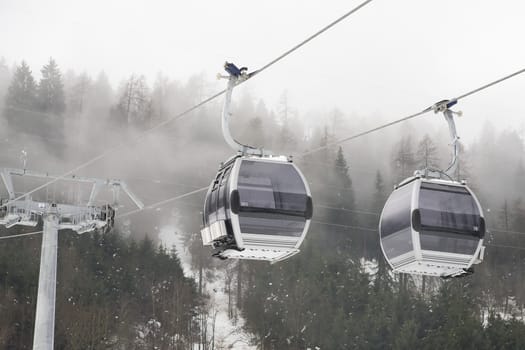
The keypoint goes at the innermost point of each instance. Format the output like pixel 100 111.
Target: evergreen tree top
pixel 51 89
pixel 22 91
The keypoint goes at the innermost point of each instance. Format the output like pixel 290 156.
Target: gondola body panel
pixel 267 209
pixel 432 227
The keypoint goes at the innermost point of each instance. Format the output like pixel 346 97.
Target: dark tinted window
pixel 398 243
pixel 217 198
pixel 397 212
pixel 448 242
pixel 271 224
pixel 449 209
pixel 223 199
pixel 212 213
pixel 265 185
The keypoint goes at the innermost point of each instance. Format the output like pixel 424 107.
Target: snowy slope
pixel 227 334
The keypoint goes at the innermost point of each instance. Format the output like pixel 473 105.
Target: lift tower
pixel 79 217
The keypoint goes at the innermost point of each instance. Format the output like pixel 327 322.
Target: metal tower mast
pixel 79 217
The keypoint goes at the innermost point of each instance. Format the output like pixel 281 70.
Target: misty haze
pixel 113 92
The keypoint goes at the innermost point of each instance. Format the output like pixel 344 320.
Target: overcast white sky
pixel 392 58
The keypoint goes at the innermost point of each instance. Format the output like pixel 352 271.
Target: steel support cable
pixel 209 99
pixel 375 230
pixel 21 235
pixel 488 85
pixel 344 226
pixel 355 136
pixel 311 37
pixel 426 110
pixel 504 246
pixel 163 202
pixel 489 230
pixel 348 210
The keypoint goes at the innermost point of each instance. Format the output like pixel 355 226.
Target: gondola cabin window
pixel 396 232
pixel 273 199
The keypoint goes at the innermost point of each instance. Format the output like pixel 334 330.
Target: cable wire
pixel 504 246
pixel 310 38
pixel 489 85
pixel 333 143
pixel 198 105
pixel 348 210
pixel 375 230
pixel 345 226
pixel 494 230
pixel 21 235
pixel 165 201
pixel 424 111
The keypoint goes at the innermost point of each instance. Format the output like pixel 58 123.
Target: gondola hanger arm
pixel 235 77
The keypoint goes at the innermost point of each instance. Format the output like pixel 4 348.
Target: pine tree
pixel 342 196
pixel 518 221
pixel 21 94
pixel 426 154
pixel 343 184
pixel 159 97
pixel 100 99
pixel 51 90
pixel 5 77
pixel 403 161
pixel 78 94
pixel 520 177
pixel 380 193
pixel 341 170
pixel 286 138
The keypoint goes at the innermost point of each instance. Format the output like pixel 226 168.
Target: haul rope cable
pixel 426 110
pixel 21 235
pixel 182 114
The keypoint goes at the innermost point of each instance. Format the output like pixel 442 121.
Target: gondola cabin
pixel 432 227
pixel 257 208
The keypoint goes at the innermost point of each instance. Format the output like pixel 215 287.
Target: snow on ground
pixel 513 312
pixel 369 267
pixel 502 315
pixel 228 333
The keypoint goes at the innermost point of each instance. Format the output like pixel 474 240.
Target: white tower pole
pixel 45 304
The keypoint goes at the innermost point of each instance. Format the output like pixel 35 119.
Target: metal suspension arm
pixel 453 165
pixel 236 75
pixel 444 107
pixel 226 114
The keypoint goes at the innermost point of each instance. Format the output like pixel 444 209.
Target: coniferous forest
pixel 130 288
